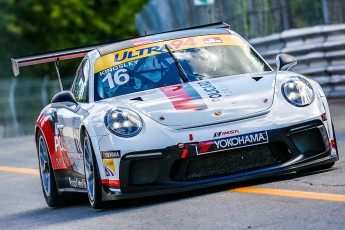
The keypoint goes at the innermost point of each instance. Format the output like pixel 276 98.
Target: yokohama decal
pixel 184 97
pixel 233 142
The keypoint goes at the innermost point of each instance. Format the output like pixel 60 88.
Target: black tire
pixel 93 181
pixel 48 182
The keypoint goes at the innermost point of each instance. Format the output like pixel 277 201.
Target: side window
pixel 80 87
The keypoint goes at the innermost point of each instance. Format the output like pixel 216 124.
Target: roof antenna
pixel 57 67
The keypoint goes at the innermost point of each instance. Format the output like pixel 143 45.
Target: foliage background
pixel 33 26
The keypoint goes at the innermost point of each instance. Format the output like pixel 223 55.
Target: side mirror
pixel 285 62
pixel 64 96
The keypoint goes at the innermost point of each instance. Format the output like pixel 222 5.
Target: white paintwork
pixel 157 135
pixel 243 109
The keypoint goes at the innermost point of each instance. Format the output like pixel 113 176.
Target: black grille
pixel 223 163
pixel 311 141
pixel 143 171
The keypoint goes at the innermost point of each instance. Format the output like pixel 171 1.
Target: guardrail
pixel 319 50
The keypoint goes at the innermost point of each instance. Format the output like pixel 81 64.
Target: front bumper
pixel 177 169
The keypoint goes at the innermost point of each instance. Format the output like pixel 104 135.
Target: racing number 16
pixel 120 77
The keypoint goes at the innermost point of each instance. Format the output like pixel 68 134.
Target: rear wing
pixel 80 52
pixel 51 56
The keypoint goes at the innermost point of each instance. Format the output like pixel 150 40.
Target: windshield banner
pixel 126 55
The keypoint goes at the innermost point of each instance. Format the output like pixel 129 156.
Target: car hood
pixel 207 101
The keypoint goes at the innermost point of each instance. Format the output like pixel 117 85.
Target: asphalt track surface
pixel 295 201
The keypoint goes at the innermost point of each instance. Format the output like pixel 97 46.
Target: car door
pixel 68 123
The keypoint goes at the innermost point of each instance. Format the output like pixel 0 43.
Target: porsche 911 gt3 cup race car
pixel 177 111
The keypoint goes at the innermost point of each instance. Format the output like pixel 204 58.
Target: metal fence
pixel 21 101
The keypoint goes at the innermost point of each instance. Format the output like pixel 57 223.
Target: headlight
pixel 123 122
pixel 298 91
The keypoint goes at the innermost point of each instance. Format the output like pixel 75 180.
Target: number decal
pixel 176 43
pixel 120 77
pixel 181 42
pixel 190 42
pixel 110 80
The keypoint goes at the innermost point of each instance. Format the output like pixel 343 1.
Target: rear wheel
pixel 48 182
pixel 93 181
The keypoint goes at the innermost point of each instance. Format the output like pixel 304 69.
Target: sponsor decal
pixel 212 40
pixel 77 182
pixel 65 161
pixel 242 140
pixel 143 49
pixel 109 167
pixel 232 142
pixel 146 51
pixel 77 143
pixel 65 143
pixel 224 88
pixel 184 97
pixel 111 154
pixel 57 140
pixel 118 67
pixel 210 89
pixel 218 134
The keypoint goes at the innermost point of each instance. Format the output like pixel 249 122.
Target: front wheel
pixel 93 181
pixel 48 182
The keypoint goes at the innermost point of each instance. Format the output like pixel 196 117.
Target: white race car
pixel 177 111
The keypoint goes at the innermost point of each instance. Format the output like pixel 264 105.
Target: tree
pixel 32 26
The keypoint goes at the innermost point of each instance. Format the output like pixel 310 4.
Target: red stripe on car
pixel 141 41
pixel 179 97
pixel 111 183
pixel 184 153
pixel 205 146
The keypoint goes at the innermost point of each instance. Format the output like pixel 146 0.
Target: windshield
pixel 152 66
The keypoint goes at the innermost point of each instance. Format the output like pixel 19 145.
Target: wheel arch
pixel 86 127
pixel 38 129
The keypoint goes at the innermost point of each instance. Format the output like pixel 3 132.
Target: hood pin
pixel 218 113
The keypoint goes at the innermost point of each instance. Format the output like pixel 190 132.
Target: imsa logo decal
pixel 241 140
pixel 218 134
